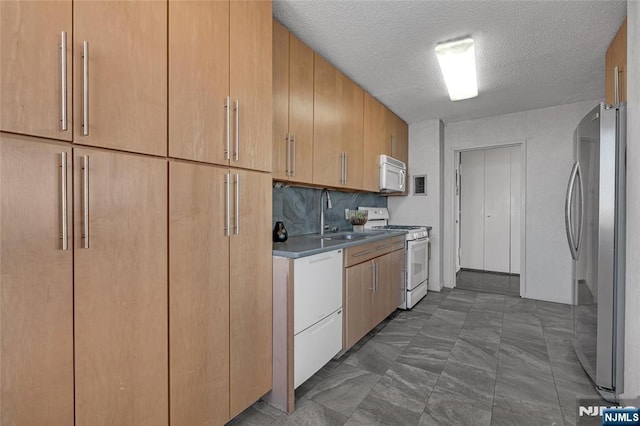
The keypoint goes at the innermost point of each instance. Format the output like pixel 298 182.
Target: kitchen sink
pixel 346 237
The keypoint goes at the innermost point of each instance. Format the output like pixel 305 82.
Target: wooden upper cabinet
pixel 250 295
pixel 352 132
pixel 617 57
pixel 120 289
pixel 281 142
pixel 401 141
pixel 250 84
pixel 31 88
pixel 199 80
pixel 36 284
pixel 127 75
pixel 301 110
pixel 388 129
pixel 327 122
pixel 293 107
pixel 198 295
pixel 374 126
pixel 337 128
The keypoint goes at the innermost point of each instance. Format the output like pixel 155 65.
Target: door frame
pixel 454 235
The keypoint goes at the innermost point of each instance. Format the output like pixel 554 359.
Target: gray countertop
pixel 308 245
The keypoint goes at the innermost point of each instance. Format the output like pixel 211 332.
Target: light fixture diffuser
pixel 458 64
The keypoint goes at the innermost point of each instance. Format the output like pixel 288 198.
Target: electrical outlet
pixel 346 214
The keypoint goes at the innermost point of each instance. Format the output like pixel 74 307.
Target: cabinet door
pixel 127 75
pixel 251 290
pixel 359 285
pixel 389 132
pixel 281 148
pixel 373 141
pixel 198 80
pixel 251 83
pixel 301 110
pixel 36 285
pixel 352 128
pixel 383 295
pixel 120 282
pixel 198 295
pixel 31 77
pixel 616 56
pixel 327 114
pixel 402 144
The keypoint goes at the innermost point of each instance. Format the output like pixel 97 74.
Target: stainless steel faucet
pixel 329 205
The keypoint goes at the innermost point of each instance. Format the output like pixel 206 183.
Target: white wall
pixel 632 309
pixel 548 137
pixel 425 148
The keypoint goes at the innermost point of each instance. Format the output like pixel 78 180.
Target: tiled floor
pixel 458 358
pixel 489 282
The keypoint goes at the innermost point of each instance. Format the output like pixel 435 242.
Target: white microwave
pixel 392 174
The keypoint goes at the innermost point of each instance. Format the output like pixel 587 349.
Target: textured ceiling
pixel 530 54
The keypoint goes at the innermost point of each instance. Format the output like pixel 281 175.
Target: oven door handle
pixel 419 240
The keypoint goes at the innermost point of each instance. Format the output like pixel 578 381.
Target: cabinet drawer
pixel 315 346
pixel 317 291
pixel 364 252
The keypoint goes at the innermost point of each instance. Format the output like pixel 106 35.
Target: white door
pixel 490 209
pixel 497 200
pixel 515 209
pixel 472 210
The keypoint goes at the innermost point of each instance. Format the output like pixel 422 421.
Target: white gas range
pixel 416 255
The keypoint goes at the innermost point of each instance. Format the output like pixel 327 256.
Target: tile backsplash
pixel 299 208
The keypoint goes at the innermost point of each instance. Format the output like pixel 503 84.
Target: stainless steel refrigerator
pixel 595 225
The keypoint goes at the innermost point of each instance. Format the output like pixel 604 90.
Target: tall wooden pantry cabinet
pixel 135 211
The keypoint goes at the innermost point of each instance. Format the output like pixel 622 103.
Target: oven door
pixel 417 262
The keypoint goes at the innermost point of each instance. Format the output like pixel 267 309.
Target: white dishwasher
pixel 317 307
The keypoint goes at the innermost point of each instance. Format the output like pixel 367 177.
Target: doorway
pixel 488 201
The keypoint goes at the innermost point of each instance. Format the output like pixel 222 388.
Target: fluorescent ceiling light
pixel 458 64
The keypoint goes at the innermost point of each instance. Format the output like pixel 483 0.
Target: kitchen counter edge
pixel 305 245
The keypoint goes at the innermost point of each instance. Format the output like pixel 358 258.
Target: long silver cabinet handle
pixel 236 154
pixel 616 85
pixel 63 85
pixel 287 138
pixel 363 253
pixel 346 168
pixel 342 168
pixel 227 184
pixel 237 221
pixel 293 155
pixel 227 107
pixel 373 276
pixel 63 202
pixel 85 88
pixel 85 201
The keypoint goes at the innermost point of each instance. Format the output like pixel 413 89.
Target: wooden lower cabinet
pixel 198 295
pixel 120 285
pixel 250 294
pixel 220 293
pixel 372 292
pixel 36 285
pixel 358 302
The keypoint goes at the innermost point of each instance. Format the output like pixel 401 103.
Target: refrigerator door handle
pixel 567 211
pixel 581 223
